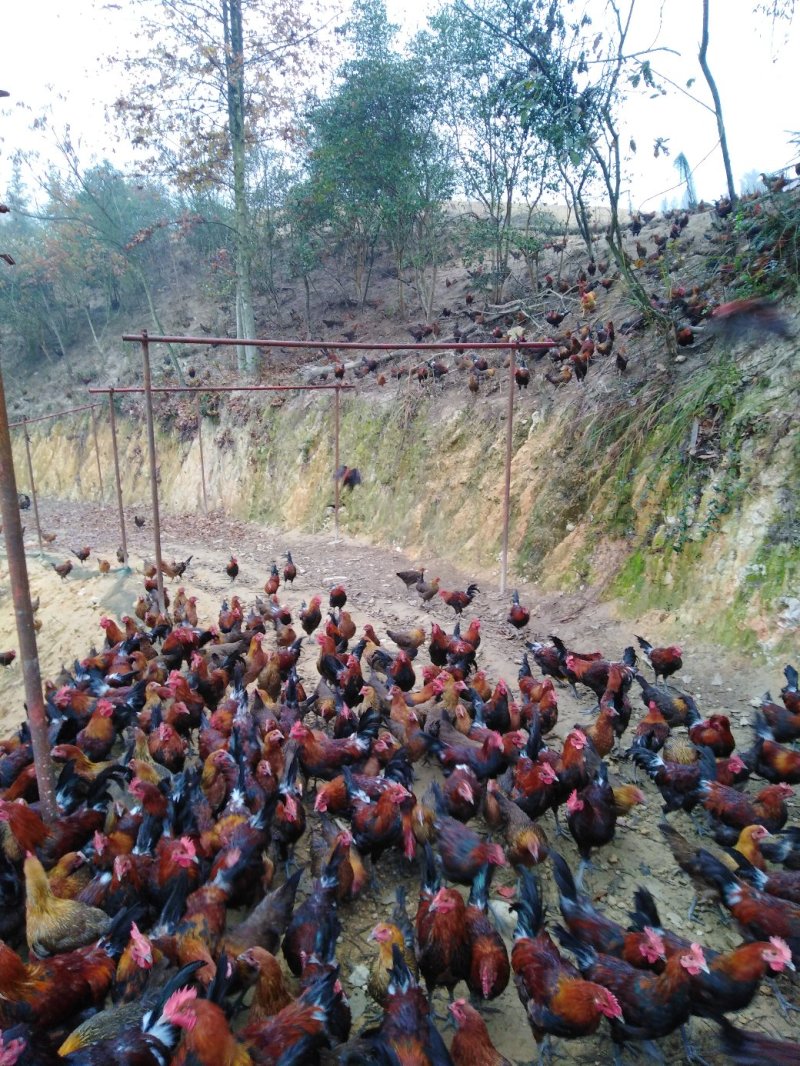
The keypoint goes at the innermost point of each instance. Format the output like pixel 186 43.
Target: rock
pixel 359 975
pixel 716 681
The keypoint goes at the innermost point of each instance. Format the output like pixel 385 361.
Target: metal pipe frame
pixel 32 485
pixel 56 414
pixel 512 347
pixel 202 460
pixel 151 445
pixel 112 418
pixel 97 450
pixel 350 346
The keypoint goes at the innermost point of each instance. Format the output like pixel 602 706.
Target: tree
pixel 207 87
pixel 575 79
pixel 685 172
pixel 712 85
pixel 375 165
pixel 499 152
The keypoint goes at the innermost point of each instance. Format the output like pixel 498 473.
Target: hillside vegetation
pixel 669 484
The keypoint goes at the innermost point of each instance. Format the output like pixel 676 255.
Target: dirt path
pixel 70 611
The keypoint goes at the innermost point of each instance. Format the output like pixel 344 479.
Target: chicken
pixel 321 756
pixel 489 968
pixel 784 723
pixel 411 577
pixel 112 1032
pixel 771 760
pixel 596 674
pixel 736 810
pixel 715 733
pixel 755 315
pixel 443 946
pixel 591 817
pixel 300 1029
pixel 337 597
pixel 271 994
pixel 63 569
pixel 518 616
pixel 409 639
pixel 311 616
pixel 743 1048
pixel 289 570
pixel 459 600
pixel 350 476
pixel 522 374
pixel 664 661
pixel 406 1034
pixel 139 520
pixel 232 568
pixel 651 732
pixel 680 785
pixel 48 992
pixel 526 842
pixel 472 1045
pixel 387 936
pixel 677 707
pixel 462 851
pixel 760 915
pixel 82 554
pixel 316 916
pixel 378 826
pixel 653 1005
pixel 590 926
pixel 266 923
pixel 56 925
pixel 790 693
pixel 427 589
pixel 556 999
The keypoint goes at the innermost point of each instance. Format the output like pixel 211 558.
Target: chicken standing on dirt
pixel 664 661
pixel 556 999
pixel 411 577
pixel 459 600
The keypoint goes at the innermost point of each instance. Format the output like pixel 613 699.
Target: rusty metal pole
pixel 336 465
pixel 507 485
pixel 112 419
pixel 151 445
pixel 202 461
pixel 97 451
pixel 32 483
pixel 26 634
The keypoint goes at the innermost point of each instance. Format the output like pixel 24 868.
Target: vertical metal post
pixel 200 442
pixel 151 445
pixel 336 466
pixel 112 418
pixel 26 634
pixel 97 450
pixel 507 485
pixel 32 483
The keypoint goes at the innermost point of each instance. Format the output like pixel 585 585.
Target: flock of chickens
pixel 194 762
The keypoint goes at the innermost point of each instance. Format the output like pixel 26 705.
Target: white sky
pixel 52 48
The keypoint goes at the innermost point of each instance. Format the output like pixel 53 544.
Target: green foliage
pixel 375 166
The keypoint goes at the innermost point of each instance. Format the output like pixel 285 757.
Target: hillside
pixel 668 487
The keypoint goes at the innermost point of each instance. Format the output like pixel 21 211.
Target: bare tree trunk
pixel 723 140
pixel 234 69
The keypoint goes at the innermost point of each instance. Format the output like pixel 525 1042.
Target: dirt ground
pixel 70 611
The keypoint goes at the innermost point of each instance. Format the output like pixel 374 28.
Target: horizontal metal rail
pixel 218 388
pixel 56 414
pixel 349 346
